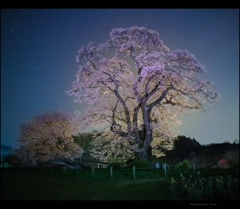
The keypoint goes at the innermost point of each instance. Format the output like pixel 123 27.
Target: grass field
pixel 47 184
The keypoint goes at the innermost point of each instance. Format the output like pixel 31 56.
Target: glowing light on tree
pixel 49 136
pixel 136 106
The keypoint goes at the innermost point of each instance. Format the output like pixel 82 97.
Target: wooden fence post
pixel 165 169
pixel 111 172
pixel 133 172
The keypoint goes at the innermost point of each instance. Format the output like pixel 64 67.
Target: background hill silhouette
pixel 187 148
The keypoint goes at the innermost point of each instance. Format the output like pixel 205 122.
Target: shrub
pixel 232 156
pixel 115 165
pixel 223 163
pixel 183 164
pixel 139 164
pixel 204 188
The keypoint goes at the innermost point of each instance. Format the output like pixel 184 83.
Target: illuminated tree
pixel 136 102
pixel 49 136
pixel 109 147
pixel 161 147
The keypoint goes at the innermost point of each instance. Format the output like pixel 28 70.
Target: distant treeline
pixel 187 148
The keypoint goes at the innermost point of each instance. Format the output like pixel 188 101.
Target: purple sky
pixel 38 60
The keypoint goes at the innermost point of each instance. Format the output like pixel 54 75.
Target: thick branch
pixel 150 106
pixel 127 114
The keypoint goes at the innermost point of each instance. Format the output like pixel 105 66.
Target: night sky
pixel 38 60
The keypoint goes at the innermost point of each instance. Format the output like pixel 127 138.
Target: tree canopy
pixel 49 136
pixel 137 86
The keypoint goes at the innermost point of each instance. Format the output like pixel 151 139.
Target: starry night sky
pixel 38 60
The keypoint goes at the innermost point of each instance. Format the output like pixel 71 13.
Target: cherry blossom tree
pixel 109 147
pixel 137 86
pixel 49 136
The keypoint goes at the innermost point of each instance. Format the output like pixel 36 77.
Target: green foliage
pixel 233 156
pixel 5 165
pixel 183 146
pixel 139 164
pixel 200 188
pixel 84 140
pixel 183 164
pixel 10 159
pixel 115 165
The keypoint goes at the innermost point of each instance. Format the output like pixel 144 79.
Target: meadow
pixel 119 184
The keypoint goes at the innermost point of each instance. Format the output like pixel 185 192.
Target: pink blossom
pixel 48 136
pixel 134 80
pixel 223 163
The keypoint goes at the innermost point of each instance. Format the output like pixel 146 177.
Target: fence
pixel 164 166
pixel 157 167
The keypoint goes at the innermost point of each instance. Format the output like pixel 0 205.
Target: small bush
pixel 223 163
pixel 115 165
pixel 139 164
pixel 183 164
pixel 232 156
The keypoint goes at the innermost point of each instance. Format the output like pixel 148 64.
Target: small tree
pixel 49 136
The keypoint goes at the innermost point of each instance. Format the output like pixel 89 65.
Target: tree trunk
pixel 149 153
pixel 146 151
